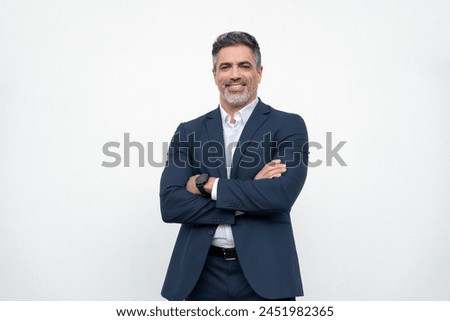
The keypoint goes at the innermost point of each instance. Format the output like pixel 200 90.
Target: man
pixel 231 178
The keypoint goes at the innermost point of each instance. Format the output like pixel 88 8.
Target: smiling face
pixel 237 76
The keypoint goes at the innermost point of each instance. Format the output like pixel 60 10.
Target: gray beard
pixel 237 100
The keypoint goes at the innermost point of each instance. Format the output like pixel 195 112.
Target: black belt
pixel 226 254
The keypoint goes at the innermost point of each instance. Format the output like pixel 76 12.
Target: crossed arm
pixel 178 207
pixel 272 169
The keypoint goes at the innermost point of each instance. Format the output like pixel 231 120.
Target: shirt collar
pixel 245 112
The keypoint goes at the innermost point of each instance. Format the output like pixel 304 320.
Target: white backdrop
pixel 75 75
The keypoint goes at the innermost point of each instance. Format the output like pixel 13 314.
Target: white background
pixel 75 75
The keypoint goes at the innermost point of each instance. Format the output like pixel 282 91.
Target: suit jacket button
pixel 210 232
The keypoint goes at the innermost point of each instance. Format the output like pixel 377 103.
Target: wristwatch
pixel 200 182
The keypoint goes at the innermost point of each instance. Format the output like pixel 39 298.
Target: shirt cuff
pixel 214 190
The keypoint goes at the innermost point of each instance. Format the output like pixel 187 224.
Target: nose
pixel 235 75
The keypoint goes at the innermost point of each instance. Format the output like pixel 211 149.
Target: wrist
pixel 209 185
pixel 200 182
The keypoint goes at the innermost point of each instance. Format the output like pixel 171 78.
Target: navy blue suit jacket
pixel 263 235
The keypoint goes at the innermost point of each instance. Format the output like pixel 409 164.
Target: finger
pixel 273 162
pixel 279 168
pixel 191 180
pixel 278 171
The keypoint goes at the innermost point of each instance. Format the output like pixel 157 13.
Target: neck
pixel 231 109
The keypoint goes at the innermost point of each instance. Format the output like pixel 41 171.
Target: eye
pixel 224 67
pixel 246 66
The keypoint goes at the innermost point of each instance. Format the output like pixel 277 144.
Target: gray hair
pixel 235 38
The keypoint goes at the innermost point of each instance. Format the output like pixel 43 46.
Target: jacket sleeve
pixel 176 203
pixel 271 196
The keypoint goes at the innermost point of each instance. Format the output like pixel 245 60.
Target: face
pixel 237 76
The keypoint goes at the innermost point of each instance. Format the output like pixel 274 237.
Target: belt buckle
pixel 229 255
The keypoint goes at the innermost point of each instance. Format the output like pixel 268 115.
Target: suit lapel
pixel 257 118
pixel 215 135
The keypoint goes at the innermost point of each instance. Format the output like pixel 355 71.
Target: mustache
pixel 232 83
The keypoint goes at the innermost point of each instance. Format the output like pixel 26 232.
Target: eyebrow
pixel 239 63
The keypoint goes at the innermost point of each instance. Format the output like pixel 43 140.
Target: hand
pixel 272 169
pixel 192 187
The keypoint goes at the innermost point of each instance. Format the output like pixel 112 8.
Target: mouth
pixel 235 86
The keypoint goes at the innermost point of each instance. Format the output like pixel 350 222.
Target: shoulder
pixel 201 120
pixel 198 123
pixel 282 117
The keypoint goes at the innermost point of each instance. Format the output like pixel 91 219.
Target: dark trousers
pixel 223 280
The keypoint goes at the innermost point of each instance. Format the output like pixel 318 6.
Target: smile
pixel 235 86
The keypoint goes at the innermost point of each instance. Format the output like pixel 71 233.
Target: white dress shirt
pixel 231 133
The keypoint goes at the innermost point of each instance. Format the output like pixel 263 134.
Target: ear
pixel 260 71
pixel 214 75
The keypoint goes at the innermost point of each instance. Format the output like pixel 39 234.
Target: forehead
pixel 234 54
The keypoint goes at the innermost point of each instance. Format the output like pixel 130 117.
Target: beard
pixel 237 99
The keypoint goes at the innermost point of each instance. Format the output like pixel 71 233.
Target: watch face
pixel 200 180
